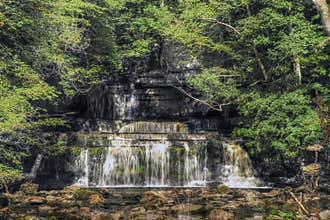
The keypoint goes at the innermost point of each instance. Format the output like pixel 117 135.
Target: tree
pixel 256 49
pixel 324 10
pixel 278 127
pixel 43 61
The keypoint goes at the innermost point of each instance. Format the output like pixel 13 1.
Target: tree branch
pixel 219 108
pixel 323 43
pixel 220 23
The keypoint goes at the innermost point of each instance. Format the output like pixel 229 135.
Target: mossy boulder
pixel 29 188
pixel 223 189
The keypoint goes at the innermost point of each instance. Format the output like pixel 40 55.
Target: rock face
pixel 147 91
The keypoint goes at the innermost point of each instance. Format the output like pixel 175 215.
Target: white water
pixel 150 166
pixel 160 154
pixel 82 163
pixel 236 170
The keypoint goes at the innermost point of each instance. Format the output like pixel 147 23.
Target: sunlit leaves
pixel 278 124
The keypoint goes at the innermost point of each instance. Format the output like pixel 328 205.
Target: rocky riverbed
pixel 220 203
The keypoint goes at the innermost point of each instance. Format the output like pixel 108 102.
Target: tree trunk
pixel 256 53
pixel 35 167
pixel 7 193
pixel 324 9
pixel 297 68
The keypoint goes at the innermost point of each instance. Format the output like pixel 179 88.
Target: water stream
pixel 160 154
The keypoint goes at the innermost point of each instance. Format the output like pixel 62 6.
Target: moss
pixel 97 151
pixel 141 169
pixel 177 149
pixel 83 194
pixel 243 212
pixel 75 150
pixel 223 189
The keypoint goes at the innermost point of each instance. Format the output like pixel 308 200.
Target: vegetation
pixel 268 59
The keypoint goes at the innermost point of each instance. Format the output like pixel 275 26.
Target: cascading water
pixel 148 165
pixel 157 160
pixel 236 167
pixel 195 171
pixel 157 155
pixel 121 167
pixel 82 164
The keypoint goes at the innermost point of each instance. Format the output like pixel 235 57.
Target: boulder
pixel 36 200
pixel 325 215
pixel 223 189
pixel 29 188
pixel 153 199
pixel 96 199
pixel 219 214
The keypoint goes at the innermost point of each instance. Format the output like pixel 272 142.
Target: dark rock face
pixel 147 91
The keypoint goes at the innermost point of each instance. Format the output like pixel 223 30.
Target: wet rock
pixel 82 194
pixel 325 215
pixel 222 189
pixel 96 199
pixel 153 199
pixel 105 216
pixel 189 208
pixel 71 188
pixel 219 214
pixel 31 217
pixel 85 212
pixel 29 188
pixel 51 199
pixel 46 209
pixel 36 200
pixel 257 217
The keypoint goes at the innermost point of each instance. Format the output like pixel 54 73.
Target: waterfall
pixel 236 168
pixel 158 160
pixel 149 165
pixel 195 170
pixel 82 165
pixel 159 154
pixel 121 167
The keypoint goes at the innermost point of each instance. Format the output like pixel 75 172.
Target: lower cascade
pixel 160 160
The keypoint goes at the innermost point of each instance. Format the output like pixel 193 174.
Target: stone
pixel 51 199
pixel 31 217
pixel 29 188
pixel 153 199
pixel 189 208
pixel 222 189
pixel 71 188
pixel 219 214
pixel 36 200
pixel 257 217
pixel 85 212
pixel 46 209
pixel 325 215
pixel 96 199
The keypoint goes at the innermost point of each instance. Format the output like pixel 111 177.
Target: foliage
pixel 8 175
pixel 258 56
pixel 43 58
pixel 278 126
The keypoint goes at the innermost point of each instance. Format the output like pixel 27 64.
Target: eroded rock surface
pixel 193 203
